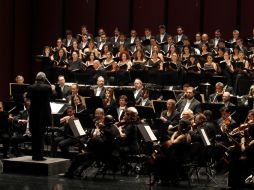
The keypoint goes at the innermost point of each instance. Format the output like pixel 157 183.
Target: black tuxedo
pixel 65 42
pixel 102 93
pixel 158 39
pixel 184 37
pixel 195 106
pixel 60 94
pixel 39 116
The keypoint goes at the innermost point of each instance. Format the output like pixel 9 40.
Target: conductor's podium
pixel 25 165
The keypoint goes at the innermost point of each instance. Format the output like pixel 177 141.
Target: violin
pixel 241 128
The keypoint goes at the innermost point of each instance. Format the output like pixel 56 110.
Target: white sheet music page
pixel 79 127
pixel 150 133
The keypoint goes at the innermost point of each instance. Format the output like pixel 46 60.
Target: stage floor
pixel 26 182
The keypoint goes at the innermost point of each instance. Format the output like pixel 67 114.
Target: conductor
pixel 40 114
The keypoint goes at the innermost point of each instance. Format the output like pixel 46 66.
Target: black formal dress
pixel 39 116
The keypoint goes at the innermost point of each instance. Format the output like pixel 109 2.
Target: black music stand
pixel 76 128
pixel 147 133
pixel 168 94
pixel 86 91
pixel 17 91
pixel 145 112
pixel 126 92
pixel 92 103
pixel 214 107
pixel 159 106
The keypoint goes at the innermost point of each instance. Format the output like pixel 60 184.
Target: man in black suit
pixel 138 89
pixel 226 100
pixel 100 90
pixel 190 102
pixel 162 36
pixel 180 35
pixel 217 38
pixel 62 90
pixel 40 113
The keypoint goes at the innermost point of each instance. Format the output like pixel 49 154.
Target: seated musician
pixel 226 123
pixel 241 163
pixel 21 132
pixel 109 101
pixel 219 90
pixel 74 91
pixel 99 90
pixel 123 101
pixel 62 90
pixel 19 79
pixel 138 85
pixel 101 147
pixel 190 102
pixel 226 100
pixel 4 131
pixel 64 139
pixel 129 132
pixel 76 102
pixel 174 152
pixel 171 116
pixel 144 98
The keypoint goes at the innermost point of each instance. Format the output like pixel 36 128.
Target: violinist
pixel 244 126
pixel 241 165
pixel 63 138
pixel 102 147
pixel 226 123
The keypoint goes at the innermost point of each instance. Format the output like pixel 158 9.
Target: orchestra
pixel 158 69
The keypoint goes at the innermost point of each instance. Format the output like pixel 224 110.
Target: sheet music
pixel 205 137
pixel 150 133
pixel 79 127
pixel 55 107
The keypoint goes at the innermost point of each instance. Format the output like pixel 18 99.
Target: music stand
pixel 159 106
pixel 147 133
pixel 168 94
pixel 76 127
pixel 17 91
pixel 204 137
pixel 214 107
pixel 92 103
pixel 145 112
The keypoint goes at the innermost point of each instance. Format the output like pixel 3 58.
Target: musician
pixel 123 100
pixel 84 31
pixel 99 90
pixel 180 35
pixel 67 42
pixel 241 164
pixel 40 114
pixel 129 132
pixel 62 90
pixel 91 48
pixel 192 70
pixel 84 42
pixel 219 90
pixel 226 123
pixel 217 38
pixel 64 138
pixel 102 147
pixel 190 102
pixel 138 85
pixel 162 36
pixel 226 100
pixel 109 101
pixel 19 79
pixel 75 64
pixel 61 61
pixel 20 128
pixel 153 66
pixel 74 91
pixel 4 131
pixel 197 41
pixel 144 98
pixel 115 39
pixel 76 102
pixel 227 68
pixel 102 42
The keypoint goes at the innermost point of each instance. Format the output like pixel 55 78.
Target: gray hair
pixel 41 76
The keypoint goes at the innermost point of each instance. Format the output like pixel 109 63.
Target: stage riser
pixel 25 165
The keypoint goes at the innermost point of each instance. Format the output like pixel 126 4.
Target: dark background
pixel 28 25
